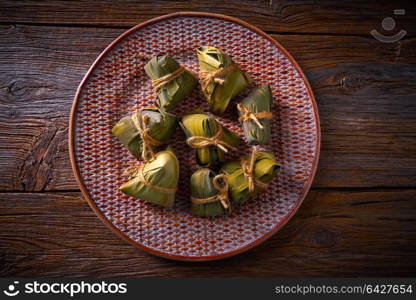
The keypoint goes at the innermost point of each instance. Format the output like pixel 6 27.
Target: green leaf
pixel 219 94
pixel 162 171
pixel 199 124
pixel 162 126
pixel 173 92
pixel 259 100
pixel 202 187
pixel 266 168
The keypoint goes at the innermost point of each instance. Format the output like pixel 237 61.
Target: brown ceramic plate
pixel 116 85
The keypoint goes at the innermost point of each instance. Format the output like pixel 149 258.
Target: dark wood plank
pixel 364 89
pixel 304 16
pixel 335 233
pixel 40 73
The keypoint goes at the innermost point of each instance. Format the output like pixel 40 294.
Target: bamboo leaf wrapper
pixel 255 115
pixel 209 194
pixel 239 176
pixel 172 82
pixel 209 138
pixel 155 181
pixel 148 128
pixel 221 79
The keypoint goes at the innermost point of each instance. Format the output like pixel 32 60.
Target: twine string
pixel 205 77
pixel 137 170
pixel 162 81
pixel 248 170
pixel 203 141
pixel 247 115
pixel 220 183
pixel 141 122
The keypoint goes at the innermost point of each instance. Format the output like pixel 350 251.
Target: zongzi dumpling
pixel 155 181
pixel 209 194
pixel 221 78
pixel 145 130
pixel 172 82
pixel 210 139
pixel 250 175
pixel 255 115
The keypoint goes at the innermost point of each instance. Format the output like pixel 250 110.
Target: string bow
pixel 248 170
pixel 205 77
pixel 220 183
pixel 247 115
pixel 203 141
pixel 142 124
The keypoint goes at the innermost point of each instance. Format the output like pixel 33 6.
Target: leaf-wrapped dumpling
pixel 154 181
pixel 145 130
pixel 255 115
pixel 210 139
pixel 209 194
pixel 250 175
pixel 221 78
pixel 172 81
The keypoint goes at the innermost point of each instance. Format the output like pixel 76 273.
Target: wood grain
pixel 359 220
pixel 39 75
pixel 335 233
pixel 325 17
pixel 365 98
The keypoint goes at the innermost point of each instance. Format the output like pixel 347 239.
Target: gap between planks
pixel 98 26
pixel 334 189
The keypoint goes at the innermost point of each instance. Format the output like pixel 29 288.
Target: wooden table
pixel 359 217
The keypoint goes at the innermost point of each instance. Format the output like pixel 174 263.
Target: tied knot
pixel 220 183
pixel 142 125
pixel 203 141
pixel 217 75
pixel 247 115
pixel 137 171
pixel 248 170
pixel 162 81
pixel 131 171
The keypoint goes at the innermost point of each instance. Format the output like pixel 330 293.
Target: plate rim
pixel 99 213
